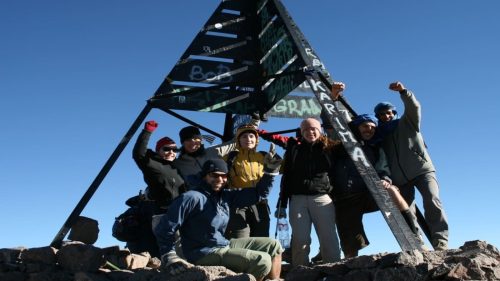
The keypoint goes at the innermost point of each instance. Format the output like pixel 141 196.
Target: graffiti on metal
pixel 296 107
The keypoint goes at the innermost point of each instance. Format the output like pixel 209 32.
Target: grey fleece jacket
pixel 405 148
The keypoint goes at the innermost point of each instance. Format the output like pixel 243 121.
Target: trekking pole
pixel 277 219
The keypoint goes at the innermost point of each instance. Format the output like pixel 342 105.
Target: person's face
pixel 168 152
pixel 217 180
pixel 367 130
pixel 247 140
pixel 386 115
pixel 310 134
pixel 192 144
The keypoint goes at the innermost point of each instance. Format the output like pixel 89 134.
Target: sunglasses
pixel 166 149
pixel 216 175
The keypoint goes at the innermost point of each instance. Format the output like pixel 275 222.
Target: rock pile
pixel 475 260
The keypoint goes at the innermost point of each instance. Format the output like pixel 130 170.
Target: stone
pixel 476 260
pixel 135 261
pixel 80 257
pixel 87 276
pixel 405 273
pixel 120 275
pixel 363 261
pixel 303 273
pixel 10 255
pixel 358 275
pixel 43 255
pixel 85 230
pixel 154 262
pixel 13 276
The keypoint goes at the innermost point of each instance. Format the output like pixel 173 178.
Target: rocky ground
pixel 475 260
pixel 81 261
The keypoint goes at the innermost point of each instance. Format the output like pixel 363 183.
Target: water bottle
pixel 283 233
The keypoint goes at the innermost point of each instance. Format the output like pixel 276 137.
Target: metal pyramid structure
pixel 248 57
pixel 244 59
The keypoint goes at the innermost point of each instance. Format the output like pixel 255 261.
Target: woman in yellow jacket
pixel 246 168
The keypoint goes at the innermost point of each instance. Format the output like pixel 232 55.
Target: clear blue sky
pixel 75 74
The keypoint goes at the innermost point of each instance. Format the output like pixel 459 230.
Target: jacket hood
pixel 246 129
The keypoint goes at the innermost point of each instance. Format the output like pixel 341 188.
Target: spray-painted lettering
pixel 199 74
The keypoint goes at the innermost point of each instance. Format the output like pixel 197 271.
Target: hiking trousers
pixel 317 210
pixel 249 255
pixel 434 213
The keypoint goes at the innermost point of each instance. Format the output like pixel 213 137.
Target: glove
pixel 272 161
pixel 174 265
pixel 150 126
pixel 280 213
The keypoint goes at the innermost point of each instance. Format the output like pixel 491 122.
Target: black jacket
pixel 163 180
pixel 346 178
pixel 307 170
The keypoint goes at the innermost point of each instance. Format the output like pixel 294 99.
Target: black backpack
pixel 130 225
pixel 127 226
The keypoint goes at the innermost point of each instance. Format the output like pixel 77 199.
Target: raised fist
pixel 337 89
pixel 150 126
pixel 397 86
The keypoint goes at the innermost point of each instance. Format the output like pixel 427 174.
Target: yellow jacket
pixel 247 167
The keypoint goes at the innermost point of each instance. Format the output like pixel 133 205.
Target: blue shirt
pixel 202 215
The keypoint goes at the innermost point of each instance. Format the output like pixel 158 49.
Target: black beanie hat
pixel 214 165
pixel 188 133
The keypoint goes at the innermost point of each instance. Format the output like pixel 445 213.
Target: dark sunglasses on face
pixel 216 175
pixel 166 149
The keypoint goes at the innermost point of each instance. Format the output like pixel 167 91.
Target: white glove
pixel 272 161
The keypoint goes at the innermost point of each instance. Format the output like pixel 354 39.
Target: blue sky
pixel 74 75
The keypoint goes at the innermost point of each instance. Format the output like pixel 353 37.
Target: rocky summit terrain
pixel 79 260
pixel 475 260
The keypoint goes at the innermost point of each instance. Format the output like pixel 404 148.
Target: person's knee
pixel 261 266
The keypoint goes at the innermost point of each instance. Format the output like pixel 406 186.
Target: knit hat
pixel 309 123
pixel 214 165
pixel 189 132
pixel 164 141
pixel 362 118
pixel 246 129
pixel 384 106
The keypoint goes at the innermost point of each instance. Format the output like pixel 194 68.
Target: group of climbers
pixel 214 200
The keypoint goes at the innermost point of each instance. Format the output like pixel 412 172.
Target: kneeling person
pixel 201 215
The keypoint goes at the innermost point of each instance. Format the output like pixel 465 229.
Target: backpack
pixel 127 226
pixel 130 225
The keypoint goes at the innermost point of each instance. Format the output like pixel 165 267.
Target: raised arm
pixel 141 145
pixel 337 89
pixel 412 113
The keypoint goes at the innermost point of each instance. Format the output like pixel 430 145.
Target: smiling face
pixel 191 145
pixel 310 129
pixel 367 130
pixel 168 152
pixel 385 115
pixel 247 140
pixel 217 180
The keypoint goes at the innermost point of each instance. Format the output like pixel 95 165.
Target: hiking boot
pixel 441 245
pixel 317 258
pixel 286 256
